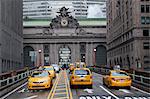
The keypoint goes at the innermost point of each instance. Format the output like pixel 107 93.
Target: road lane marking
pixel 109 92
pixel 140 90
pixel 89 90
pixel 124 90
pixel 31 97
pixel 21 91
pixel 14 91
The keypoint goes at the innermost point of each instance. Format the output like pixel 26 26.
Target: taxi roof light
pixel 116 67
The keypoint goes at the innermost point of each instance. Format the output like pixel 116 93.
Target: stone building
pixel 11 41
pixel 128 33
pixel 64 41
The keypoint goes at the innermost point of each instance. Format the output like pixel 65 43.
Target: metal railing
pixel 12 80
pixel 141 79
pixel 135 78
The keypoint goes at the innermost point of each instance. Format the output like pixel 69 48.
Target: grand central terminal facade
pixel 65 40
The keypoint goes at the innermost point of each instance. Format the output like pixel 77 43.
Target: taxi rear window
pixel 119 74
pixel 40 74
pixel 51 68
pixel 82 72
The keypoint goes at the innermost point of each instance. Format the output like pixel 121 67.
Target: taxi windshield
pixel 119 74
pixel 48 68
pixel 82 72
pixel 40 74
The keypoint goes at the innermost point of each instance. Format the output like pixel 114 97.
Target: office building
pixel 128 34
pixel 11 40
pixel 45 9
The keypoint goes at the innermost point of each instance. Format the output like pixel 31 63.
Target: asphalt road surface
pixel 99 91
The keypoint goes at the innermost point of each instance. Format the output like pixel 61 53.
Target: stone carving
pixel 64 20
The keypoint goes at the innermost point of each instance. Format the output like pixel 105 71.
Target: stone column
pixel 56 53
pixel 91 54
pixel 77 52
pixel 73 53
pixel 51 53
pixel 40 56
pixel 87 54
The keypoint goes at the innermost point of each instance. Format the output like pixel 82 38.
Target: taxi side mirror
pixel 29 76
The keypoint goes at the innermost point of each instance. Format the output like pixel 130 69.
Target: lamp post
pixel 94 57
pixel 40 57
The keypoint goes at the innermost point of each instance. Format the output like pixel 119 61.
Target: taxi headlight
pixel 45 81
pixel 29 81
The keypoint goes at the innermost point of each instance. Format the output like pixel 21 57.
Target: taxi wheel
pixel 129 87
pixel 71 86
pixel 51 84
pixel 104 83
pixel 108 85
pixel 30 90
pixel 90 86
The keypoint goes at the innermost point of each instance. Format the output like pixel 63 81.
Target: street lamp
pixel 94 57
pixel 40 57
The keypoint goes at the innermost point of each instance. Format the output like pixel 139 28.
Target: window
pixel 46 48
pixel 146 57
pixel 119 74
pixel 131 47
pixel 146 62
pixel 145 20
pixel 132 60
pixel 142 8
pixel 82 72
pixel 147 8
pixel 146 45
pixel 82 48
pixel 145 32
pixel 144 0
pixel 142 20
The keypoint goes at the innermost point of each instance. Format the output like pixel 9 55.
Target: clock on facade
pixel 64 22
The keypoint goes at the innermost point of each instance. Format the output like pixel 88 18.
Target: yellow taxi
pixel 117 78
pixel 39 80
pixel 81 76
pixel 51 70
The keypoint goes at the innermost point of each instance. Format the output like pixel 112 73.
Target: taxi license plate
pixel 81 76
pixel 121 80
